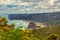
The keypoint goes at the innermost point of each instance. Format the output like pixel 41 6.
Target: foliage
pixel 8 32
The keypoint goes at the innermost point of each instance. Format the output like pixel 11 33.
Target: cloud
pixel 5 1
pixel 32 0
pixel 33 5
pixel 51 2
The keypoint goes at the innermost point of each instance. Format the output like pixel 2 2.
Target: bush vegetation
pixel 8 32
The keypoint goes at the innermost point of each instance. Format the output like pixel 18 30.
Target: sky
pixel 29 6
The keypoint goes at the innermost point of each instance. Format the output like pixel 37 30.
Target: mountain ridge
pixel 46 18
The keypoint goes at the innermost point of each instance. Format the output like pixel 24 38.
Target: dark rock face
pixel 33 25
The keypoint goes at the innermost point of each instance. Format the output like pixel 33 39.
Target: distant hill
pixel 46 18
pixel 47 31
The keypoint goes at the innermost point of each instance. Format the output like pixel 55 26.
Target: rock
pixel 35 25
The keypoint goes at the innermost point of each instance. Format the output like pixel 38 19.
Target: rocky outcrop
pixel 35 25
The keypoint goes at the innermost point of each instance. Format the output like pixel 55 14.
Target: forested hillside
pixel 45 18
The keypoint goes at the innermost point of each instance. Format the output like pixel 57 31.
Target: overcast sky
pixel 30 6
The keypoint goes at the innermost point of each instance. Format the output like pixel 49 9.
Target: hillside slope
pixel 46 18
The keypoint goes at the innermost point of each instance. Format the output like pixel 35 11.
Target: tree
pixel 53 37
pixel 4 24
pixel 3 21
